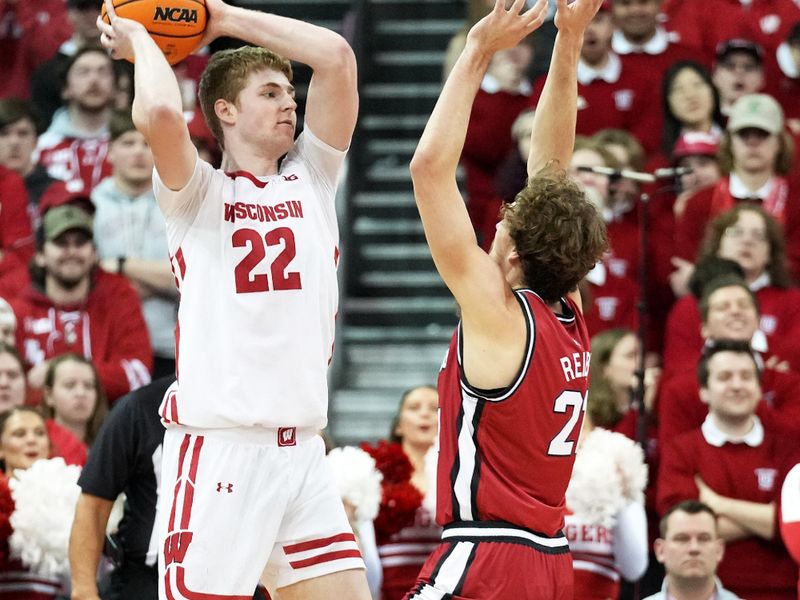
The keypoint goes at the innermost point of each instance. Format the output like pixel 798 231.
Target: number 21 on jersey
pixel 573 403
pixel 248 279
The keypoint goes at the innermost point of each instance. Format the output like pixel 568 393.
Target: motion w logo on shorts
pixel 175 547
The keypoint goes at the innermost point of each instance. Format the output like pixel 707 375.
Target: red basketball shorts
pixel 484 560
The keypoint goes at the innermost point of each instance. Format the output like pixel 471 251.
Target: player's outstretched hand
pixel 118 35
pixel 572 16
pixel 506 27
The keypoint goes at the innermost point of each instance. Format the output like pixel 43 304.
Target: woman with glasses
pixel 748 235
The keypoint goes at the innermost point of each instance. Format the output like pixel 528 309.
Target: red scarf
pixel 774 204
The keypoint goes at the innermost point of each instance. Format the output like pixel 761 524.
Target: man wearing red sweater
pixel 609 95
pixel 730 312
pixel 732 463
pixel 73 306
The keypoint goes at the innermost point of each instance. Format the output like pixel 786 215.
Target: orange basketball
pixel 177 26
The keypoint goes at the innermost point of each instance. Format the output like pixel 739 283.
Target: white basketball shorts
pixel 233 502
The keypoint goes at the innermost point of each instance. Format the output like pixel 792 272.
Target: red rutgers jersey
pixel 507 455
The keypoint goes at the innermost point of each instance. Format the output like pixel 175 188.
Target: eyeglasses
pixel 737 233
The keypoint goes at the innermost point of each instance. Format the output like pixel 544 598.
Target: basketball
pixel 177 26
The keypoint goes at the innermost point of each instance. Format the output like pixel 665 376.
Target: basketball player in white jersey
pixel 254 249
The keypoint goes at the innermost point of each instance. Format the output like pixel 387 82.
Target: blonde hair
pixel 226 76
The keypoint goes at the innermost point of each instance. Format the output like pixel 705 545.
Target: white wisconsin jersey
pixel 255 262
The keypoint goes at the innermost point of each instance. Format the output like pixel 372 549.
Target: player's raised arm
pixel 332 101
pixel 465 268
pixel 553 134
pixel 157 108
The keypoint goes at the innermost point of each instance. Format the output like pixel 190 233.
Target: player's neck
pixel 243 158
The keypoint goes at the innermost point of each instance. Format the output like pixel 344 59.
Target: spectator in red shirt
pixel 697 151
pixel 738 71
pixel 646 50
pixel 19 134
pixel 690 103
pixel 74 397
pixel 750 237
pixel 75 145
pixel 609 96
pixel 730 312
pixel 756 154
pixel 503 95
pixel 45 88
pixel 16 239
pixel 73 306
pixel 613 380
pixel 13 394
pixel 30 33
pixel 703 25
pixel 732 464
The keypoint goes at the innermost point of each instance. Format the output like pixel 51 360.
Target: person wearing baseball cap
pixel 697 151
pixel 738 71
pixel 756 154
pixel 65 218
pixel 71 305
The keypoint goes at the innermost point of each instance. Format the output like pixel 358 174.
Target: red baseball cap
pixel 695 142
pixel 59 193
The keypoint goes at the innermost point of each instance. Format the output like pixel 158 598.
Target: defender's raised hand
pixel 573 17
pixel 505 27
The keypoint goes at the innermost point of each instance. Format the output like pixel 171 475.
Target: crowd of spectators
pixel 688 123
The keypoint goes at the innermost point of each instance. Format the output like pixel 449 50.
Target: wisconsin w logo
pixel 175 547
pixel 175 15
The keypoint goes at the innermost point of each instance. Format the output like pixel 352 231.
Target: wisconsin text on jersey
pixel 263 212
pixel 576 365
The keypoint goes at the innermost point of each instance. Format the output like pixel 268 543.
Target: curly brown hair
pixel 226 76
pixel 776 267
pixel 558 234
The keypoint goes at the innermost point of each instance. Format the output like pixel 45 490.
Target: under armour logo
pixel 286 436
pixel 228 487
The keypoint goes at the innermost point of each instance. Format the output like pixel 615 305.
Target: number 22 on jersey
pixel 247 275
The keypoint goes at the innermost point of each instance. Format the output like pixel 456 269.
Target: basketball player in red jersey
pixel 254 250
pixel 513 385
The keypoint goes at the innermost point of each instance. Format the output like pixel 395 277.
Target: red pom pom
pixel 391 461
pixel 6 509
pixel 400 499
